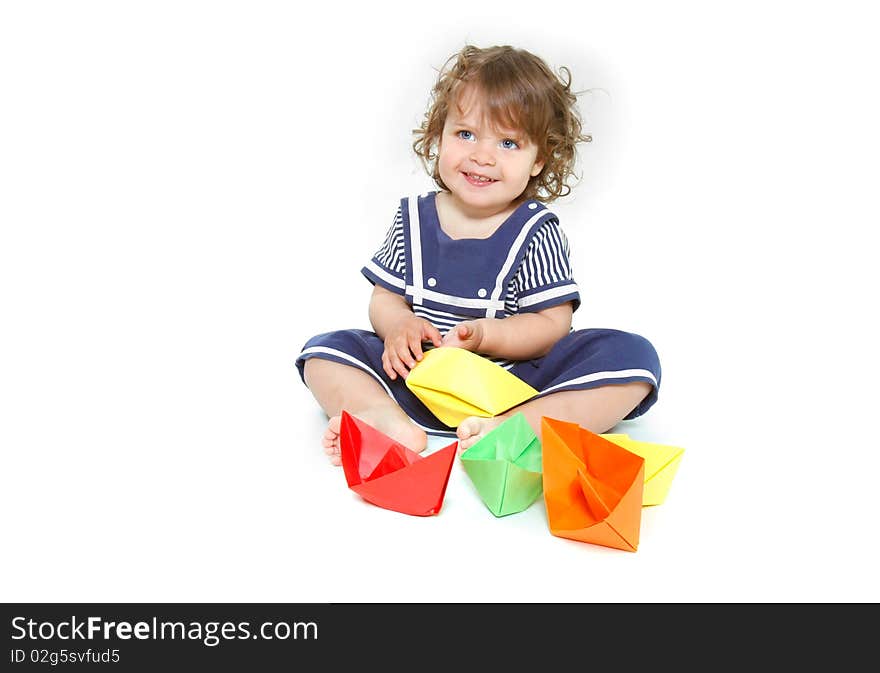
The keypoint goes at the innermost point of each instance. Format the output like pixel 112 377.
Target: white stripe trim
pixel 349 358
pixel 366 368
pixel 384 275
pixel 415 244
pixel 589 378
pixel 511 256
pixel 452 300
pixel 544 295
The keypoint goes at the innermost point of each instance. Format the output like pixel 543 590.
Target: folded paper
pixel 661 464
pixel 455 383
pixel 505 466
pixel 389 475
pixel 592 487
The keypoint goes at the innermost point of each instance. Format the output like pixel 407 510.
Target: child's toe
pixel 468 428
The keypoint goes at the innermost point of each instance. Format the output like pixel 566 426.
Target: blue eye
pixel 509 144
pixel 465 135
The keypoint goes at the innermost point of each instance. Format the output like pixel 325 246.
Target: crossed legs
pixel 336 386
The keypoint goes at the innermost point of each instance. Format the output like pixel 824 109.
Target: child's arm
pixel 520 337
pixel 401 330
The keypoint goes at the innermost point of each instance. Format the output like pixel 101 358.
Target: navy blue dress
pixel 522 267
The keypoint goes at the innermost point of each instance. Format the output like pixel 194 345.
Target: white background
pixel 189 189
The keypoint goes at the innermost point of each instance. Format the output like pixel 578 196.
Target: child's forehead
pixel 471 106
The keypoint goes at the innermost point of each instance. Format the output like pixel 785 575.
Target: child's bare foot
pixel 388 420
pixel 474 428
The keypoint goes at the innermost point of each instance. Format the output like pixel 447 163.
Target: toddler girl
pixel 483 264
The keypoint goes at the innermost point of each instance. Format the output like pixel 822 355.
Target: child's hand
pixel 403 345
pixel 467 335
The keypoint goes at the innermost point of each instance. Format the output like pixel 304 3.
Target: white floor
pixel 168 244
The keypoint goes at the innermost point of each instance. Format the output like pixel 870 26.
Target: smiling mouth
pixel 476 179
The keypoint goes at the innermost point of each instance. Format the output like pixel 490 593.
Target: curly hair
pixel 518 90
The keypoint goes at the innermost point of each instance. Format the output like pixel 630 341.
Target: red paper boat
pixel 390 475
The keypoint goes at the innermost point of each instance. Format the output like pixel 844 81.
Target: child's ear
pixel 537 167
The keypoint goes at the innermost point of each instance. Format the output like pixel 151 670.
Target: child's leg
pixel 337 386
pixel 596 409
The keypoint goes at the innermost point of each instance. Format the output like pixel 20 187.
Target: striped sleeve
pixel 388 266
pixel 544 278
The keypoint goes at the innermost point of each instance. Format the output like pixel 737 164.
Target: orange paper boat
pixel 390 475
pixel 592 487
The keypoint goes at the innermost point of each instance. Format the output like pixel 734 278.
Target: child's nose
pixel 483 155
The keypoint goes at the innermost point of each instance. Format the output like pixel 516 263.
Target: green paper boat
pixel 505 466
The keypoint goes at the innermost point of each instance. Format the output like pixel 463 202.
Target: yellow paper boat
pixel 661 464
pixel 455 383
